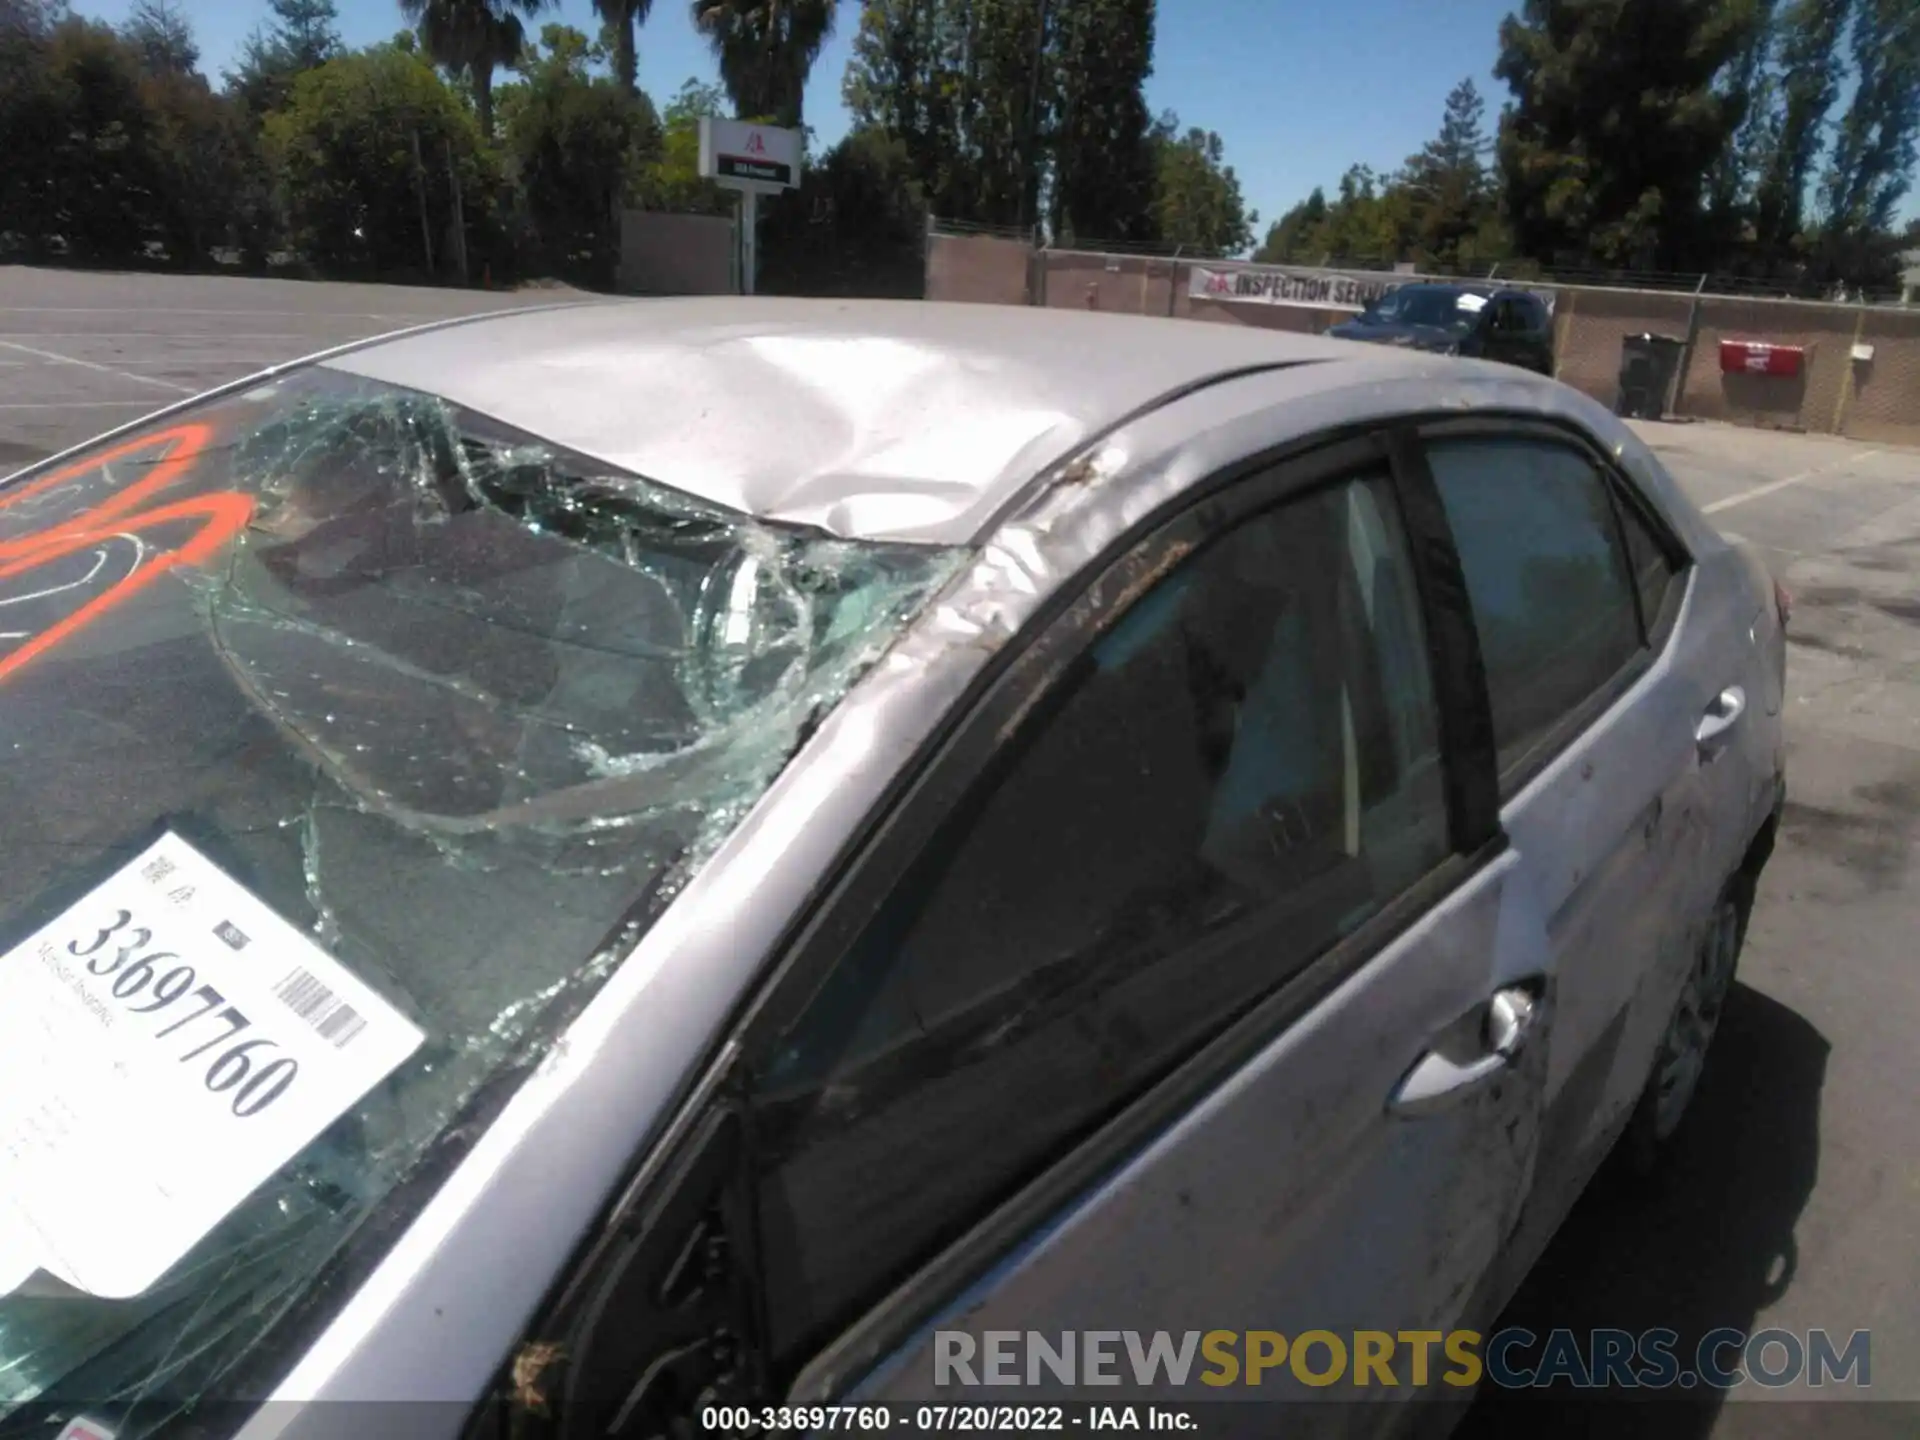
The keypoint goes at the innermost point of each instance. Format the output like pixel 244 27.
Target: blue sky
pixel 1297 93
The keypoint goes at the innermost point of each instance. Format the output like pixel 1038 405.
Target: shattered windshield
pixel 460 708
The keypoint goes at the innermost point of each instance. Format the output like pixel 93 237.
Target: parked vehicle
pixel 1480 321
pixel 702 841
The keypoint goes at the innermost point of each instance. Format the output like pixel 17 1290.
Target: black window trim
pixel 1042 661
pixel 1560 736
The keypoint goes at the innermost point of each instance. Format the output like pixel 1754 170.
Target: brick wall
pixel 1871 400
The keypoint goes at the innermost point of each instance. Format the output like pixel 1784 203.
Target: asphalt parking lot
pixel 1796 1201
pixel 83 353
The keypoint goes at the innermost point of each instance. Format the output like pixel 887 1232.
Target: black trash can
pixel 1649 366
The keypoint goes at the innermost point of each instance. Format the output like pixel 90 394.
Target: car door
pixel 1601 785
pixel 1505 336
pixel 1191 991
pixel 1539 328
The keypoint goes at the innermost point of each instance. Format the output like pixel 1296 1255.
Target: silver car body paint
pixel 446 1304
pixel 886 420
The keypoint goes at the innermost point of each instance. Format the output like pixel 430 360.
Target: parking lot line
pixel 221 335
pixel 81 405
pixel 158 310
pixel 101 369
pixel 1777 485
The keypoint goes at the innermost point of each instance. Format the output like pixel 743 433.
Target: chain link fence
pixel 1860 363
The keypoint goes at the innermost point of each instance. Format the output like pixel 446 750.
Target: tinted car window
pixel 1551 593
pixel 1653 571
pixel 1439 305
pixel 1245 768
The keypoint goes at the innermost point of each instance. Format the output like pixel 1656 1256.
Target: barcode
pixel 331 1017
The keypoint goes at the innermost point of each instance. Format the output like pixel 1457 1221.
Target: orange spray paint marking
pixel 189 441
pixel 223 515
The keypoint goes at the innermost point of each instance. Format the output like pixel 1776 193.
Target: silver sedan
pixel 610 866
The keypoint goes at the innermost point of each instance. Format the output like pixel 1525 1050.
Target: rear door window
pixel 1654 571
pixel 1552 593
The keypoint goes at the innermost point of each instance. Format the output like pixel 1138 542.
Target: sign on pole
pixel 756 160
pixel 744 156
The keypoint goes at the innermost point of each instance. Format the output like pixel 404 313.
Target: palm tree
pixel 623 17
pixel 765 49
pixel 473 38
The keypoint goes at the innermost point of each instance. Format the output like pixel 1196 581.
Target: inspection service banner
pixel 1309 289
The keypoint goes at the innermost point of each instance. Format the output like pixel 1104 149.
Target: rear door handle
pixel 1439 1079
pixel 1719 719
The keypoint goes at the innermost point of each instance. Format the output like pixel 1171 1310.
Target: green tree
pixel 162 36
pixel 671 180
pixel 1006 80
pixel 1102 162
pixel 1374 222
pixel 307 29
pixel 344 151
pixel 969 87
pixel 623 18
pixel 205 170
pixel 1291 240
pixel 30 17
pixel 575 141
pixel 1197 205
pixel 901 81
pixel 473 39
pixel 1878 140
pixel 303 35
pixel 1448 187
pixel 1011 111
pixel 1807 36
pixel 856 226
pixel 31 123
pixel 1615 125
pixel 1752 89
pixel 201 165
pixel 99 197
pixel 765 49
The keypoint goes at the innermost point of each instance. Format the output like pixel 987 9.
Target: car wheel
pixel 1682 1055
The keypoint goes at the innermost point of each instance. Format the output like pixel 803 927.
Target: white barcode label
pixel 330 1016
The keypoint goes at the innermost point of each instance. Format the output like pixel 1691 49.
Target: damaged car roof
pixel 885 420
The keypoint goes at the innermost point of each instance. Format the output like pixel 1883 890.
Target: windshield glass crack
pixel 463 707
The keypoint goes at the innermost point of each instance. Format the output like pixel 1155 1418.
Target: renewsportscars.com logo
pixel 1366 1359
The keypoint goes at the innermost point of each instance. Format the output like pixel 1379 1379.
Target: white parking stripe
pixel 82 405
pixel 1776 485
pixel 161 310
pixel 100 369
pixel 222 335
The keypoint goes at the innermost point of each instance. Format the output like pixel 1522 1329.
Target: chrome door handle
pixel 1438 1079
pixel 1720 718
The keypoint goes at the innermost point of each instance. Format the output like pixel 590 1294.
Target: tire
pixel 1686 1044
